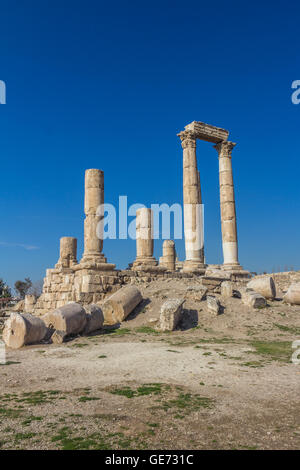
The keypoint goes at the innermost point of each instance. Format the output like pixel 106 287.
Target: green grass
pixel 146 329
pixel 253 364
pixel 147 389
pixel 29 420
pixel 9 363
pixel 294 330
pixel 273 350
pixel 19 436
pixel 10 413
pixel 85 398
pixel 187 402
pixel 69 442
pixel 102 356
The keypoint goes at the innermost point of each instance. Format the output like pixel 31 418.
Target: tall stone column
pixel 227 205
pixel 193 226
pixel 144 238
pixel 93 199
pixel 68 252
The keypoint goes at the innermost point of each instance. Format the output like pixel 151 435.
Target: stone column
pixel 68 252
pixel 193 227
pixel 93 229
pixel 169 255
pixel 144 238
pixel 227 204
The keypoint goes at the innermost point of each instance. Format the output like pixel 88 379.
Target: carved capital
pixel 188 139
pixel 224 148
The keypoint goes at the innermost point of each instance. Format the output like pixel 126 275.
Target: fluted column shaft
pixel 68 252
pixel 144 238
pixel 227 205
pixel 193 227
pixel 93 229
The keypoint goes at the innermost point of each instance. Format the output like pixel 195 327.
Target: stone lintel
pixel 207 132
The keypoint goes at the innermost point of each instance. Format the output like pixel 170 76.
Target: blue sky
pixel 93 84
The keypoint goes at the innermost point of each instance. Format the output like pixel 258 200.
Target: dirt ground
pixel 218 382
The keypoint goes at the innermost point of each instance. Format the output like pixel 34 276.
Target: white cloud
pixel 19 245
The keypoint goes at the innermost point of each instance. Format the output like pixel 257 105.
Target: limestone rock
pixel 293 294
pixel 264 286
pixel 226 289
pixel 217 274
pixel 197 293
pixel 29 303
pixel 213 304
pixel 20 330
pixel 94 317
pixel 19 307
pixel 119 305
pixel 253 299
pixel 71 318
pixel 58 337
pixel 170 314
pixel 169 255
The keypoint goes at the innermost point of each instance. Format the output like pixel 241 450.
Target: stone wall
pixel 86 286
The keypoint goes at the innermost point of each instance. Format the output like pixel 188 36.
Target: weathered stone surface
pixel 119 305
pixel 217 274
pixel 144 240
pixel 264 286
pixel 70 318
pixel 227 204
pixel 94 317
pixel 197 293
pixel 29 303
pixel 58 337
pixel 293 294
pixel 211 282
pixel 20 330
pixel 169 255
pixel 226 289
pixel 253 299
pixel 170 314
pixel 19 307
pixel 193 221
pixel 213 304
pixel 207 132
pixel 68 252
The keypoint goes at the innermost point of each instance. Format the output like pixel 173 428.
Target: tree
pixel 36 288
pixel 22 287
pixel 5 291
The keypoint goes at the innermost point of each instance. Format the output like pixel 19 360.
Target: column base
pixel 98 262
pixel 237 271
pixel 231 267
pixel 194 266
pixel 144 260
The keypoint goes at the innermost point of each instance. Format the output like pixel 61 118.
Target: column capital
pixel 224 148
pixel 188 139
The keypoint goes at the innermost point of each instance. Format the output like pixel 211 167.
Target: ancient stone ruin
pixel 91 279
pixel 83 297
pixel 192 197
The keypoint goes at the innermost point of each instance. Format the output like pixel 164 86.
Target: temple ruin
pixel 90 280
